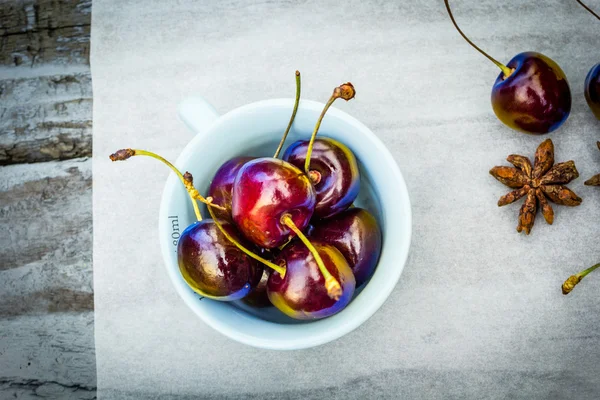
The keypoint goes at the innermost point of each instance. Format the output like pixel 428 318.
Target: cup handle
pixel 197 114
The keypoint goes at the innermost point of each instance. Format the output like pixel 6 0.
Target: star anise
pixel 540 183
pixel 594 180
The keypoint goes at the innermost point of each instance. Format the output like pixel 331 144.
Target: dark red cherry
pixel 535 98
pixel 356 234
pixel 301 294
pixel 213 266
pixel 592 90
pixel 264 190
pixel 333 172
pixel 531 94
pixel 221 186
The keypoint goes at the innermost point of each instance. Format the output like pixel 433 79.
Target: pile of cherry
pixel 284 232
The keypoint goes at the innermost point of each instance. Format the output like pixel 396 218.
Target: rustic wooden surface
pixel 46 292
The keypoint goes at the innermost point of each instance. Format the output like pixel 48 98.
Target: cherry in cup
pixel 356 234
pixel 531 94
pixel 302 293
pixel 221 186
pixel 210 264
pixel 330 165
pixel 333 172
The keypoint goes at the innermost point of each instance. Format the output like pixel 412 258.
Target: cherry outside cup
pixel 255 130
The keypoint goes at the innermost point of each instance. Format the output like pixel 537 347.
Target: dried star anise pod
pixel 594 180
pixel 539 183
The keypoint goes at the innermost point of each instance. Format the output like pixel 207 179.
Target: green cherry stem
pixel 292 117
pixel 505 70
pixel 334 290
pixel 575 279
pixel 124 154
pixel 587 8
pixel 346 92
pixel 280 269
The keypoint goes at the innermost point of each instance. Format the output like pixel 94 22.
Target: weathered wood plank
pixel 19 16
pixel 46 296
pixel 41 31
pixel 46 238
pixel 48 356
pixel 45 118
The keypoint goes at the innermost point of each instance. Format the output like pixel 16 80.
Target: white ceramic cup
pixel 255 129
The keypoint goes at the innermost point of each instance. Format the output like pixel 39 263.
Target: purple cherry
pixel 302 293
pixel 264 190
pixel 531 94
pixel 213 266
pixel 221 186
pixel 592 90
pixel 535 97
pixel 210 262
pixel 356 234
pixel 333 172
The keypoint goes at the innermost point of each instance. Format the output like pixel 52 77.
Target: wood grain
pixel 40 31
pixel 45 118
pixel 46 301
pixel 48 356
pixel 46 293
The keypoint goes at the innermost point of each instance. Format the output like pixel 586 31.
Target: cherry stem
pixel 124 154
pixel 575 279
pixel 505 70
pixel 589 9
pixel 280 269
pixel 336 94
pixel 334 290
pixel 292 117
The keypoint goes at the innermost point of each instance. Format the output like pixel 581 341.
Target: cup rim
pixel 345 325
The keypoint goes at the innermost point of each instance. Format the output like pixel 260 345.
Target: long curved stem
pixel 589 9
pixel 281 270
pixel 333 98
pixel 292 117
pixel 334 290
pixel 505 70
pixel 124 154
pixel 575 279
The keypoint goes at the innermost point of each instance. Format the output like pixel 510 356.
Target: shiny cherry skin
pixel 221 186
pixel 333 171
pixel 535 98
pixel 264 190
pixel 356 234
pixel 592 90
pixel 301 294
pixel 213 266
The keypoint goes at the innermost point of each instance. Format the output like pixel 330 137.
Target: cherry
pixel 333 172
pixel 209 262
pixel 592 80
pixel 356 234
pixel 531 94
pixel 592 90
pixel 264 190
pixel 213 266
pixel 301 293
pixel 221 186
pixel 333 169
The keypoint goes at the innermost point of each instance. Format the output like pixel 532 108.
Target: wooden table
pixel 46 292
